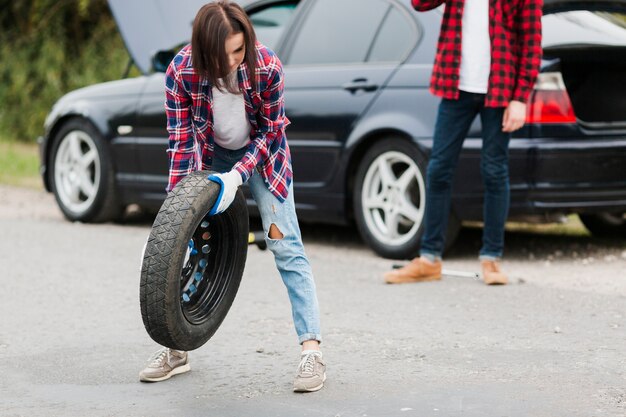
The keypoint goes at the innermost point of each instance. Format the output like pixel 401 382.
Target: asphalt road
pixel 551 344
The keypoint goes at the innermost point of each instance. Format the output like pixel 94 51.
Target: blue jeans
pixel 291 261
pixel 453 122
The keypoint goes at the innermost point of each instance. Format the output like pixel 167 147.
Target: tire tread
pixel 160 273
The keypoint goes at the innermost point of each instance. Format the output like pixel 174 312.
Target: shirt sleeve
pixel 182 148
pixel 424 5
pixel 529 47
pixel 271 121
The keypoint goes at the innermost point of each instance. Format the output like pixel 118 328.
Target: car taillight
pixel 549 101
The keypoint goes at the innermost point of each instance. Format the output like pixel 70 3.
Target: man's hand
pixel 229 182
pixel 514 116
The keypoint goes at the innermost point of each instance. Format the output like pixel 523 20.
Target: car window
pixel 336 32
pixel 270 22
pixel 395 38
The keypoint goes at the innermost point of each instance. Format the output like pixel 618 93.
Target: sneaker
pixel 492 274
pixel 165 364
pixel 311 372
pixel 418 270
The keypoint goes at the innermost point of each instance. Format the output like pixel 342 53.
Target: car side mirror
pixel 161 60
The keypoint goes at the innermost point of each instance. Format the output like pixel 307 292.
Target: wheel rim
pixel 393 198
pixel 204 279
pixel 77 171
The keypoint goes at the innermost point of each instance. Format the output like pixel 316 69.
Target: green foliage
pixel 19 164
pixel 50 47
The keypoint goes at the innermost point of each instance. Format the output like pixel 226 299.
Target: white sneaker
pixel 165 364
pixel 311 372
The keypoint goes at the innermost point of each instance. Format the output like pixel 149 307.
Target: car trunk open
pixel 586 43
pixel 595 78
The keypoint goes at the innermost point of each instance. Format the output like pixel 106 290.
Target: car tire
pixel 605 224
pixel 188 248
pixel 390 197
pixel 81 174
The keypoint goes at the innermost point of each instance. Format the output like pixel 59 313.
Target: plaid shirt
pixel 515 33
pixel 188 99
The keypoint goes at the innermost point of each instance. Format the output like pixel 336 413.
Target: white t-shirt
pixel 476 47
pixel 231 127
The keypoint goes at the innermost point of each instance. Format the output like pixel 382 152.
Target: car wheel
pixel 390 199
pixel 81 174
pixel 192 264
pixel 605 224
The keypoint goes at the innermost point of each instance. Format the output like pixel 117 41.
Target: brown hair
pixel 214 23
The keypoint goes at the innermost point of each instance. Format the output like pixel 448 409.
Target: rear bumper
pixel 550 175
pixel 578 175
pixel 577 200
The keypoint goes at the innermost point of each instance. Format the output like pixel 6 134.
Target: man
pixel 487 61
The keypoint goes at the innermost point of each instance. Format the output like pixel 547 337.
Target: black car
pixel 357 75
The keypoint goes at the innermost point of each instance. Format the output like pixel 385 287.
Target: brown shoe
pixel 418 270
pixel 165 364
pixel 492 274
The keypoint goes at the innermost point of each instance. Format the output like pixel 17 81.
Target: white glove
pixel 229 182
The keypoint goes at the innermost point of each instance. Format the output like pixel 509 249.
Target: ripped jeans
pixel 291 261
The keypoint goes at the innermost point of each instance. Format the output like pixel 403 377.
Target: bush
pixel 50 47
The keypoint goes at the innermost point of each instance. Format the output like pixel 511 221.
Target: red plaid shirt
pixel 515 32
pixel 188 99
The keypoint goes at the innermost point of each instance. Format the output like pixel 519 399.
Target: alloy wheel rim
pixel 393 198
pixel 77 171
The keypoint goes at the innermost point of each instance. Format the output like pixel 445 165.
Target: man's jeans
pixel 453 122
pixel 291 261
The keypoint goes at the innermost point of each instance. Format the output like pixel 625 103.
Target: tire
pixel 173 313
pixel 81 174
pixel 390 198
pixel 605 224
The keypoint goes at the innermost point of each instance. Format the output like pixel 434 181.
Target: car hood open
pixel 149 26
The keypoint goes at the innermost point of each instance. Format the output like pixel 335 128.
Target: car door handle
pixel 359 84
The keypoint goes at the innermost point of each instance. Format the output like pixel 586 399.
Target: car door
pixel 330 81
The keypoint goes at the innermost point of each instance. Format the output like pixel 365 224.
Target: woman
pixel 225 112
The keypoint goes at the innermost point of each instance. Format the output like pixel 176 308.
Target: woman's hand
pixel 514 116
pixel 229 182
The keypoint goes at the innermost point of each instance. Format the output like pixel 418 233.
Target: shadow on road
pixel 538 245
pixel 519 243
pixel 541 242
